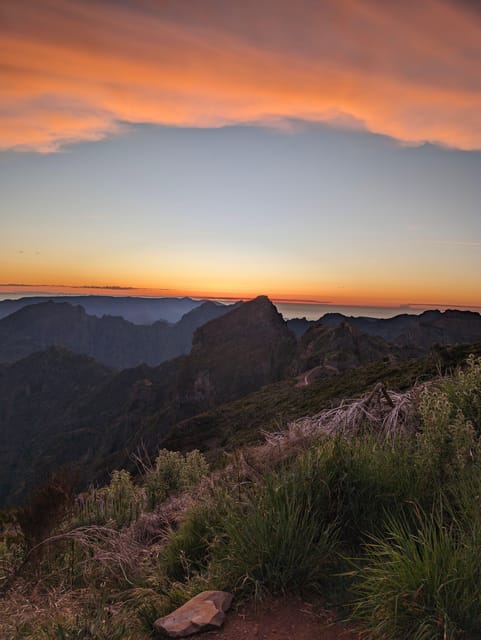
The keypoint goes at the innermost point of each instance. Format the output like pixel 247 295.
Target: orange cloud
pixel 74 71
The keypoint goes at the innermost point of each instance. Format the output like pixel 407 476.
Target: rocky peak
pixel 250 322
pixel 244 349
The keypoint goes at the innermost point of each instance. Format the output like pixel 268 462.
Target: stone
pixel 204 612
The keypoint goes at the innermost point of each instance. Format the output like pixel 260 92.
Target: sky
pixel 311 151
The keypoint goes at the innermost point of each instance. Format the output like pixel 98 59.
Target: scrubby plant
pixel 367 481
pixel 423 584
pixel 463 390
pixel 119 503
pixel 173 472
pixel 188 548
pixel 12 548
pixel 278 537
pixel 447 441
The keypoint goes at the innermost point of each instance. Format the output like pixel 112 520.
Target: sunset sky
pixel 309 150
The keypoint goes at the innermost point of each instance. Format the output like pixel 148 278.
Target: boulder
pixel 204 612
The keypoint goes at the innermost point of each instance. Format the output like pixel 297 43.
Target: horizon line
pixel 30 290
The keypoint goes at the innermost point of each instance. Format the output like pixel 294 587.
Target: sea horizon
pixel 289 310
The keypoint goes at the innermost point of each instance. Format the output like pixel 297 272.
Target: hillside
pixel 38 396
pixel 367 510
pixel 99 430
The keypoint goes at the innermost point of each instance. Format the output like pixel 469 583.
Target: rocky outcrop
pixel 204 612
pixel 243 350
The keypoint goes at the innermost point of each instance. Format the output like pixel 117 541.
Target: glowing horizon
pixel 152 292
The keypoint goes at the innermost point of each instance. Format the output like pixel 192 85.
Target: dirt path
pixel 307 377
pixel 282 619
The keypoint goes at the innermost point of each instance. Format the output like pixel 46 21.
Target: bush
pixel 422 586
pixel 367 481
pixel 188 549
pixel 119 503
pixel 278 537
pixel 463 390
pixel 447 441
pixel 173 472
pixel 99 629
pixel 283 532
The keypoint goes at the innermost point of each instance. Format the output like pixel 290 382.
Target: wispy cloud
pixel 74 71
pixel 67 286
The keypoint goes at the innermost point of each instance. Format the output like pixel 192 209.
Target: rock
pixel 204 612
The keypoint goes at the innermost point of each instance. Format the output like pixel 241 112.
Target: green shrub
pixel 367 481
pixel 463 390
pixel 188 549
pixel 282 533
pixel 173 472
pixel 424 585
pixel 278 536
pixel 447 441
pixel 119 503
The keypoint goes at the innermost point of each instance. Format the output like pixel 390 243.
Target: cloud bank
pixel 74 71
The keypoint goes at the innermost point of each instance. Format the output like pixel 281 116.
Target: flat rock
pixel 204 612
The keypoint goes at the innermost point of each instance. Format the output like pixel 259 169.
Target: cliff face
pixel 249 347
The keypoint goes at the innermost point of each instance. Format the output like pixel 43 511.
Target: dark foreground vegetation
pixel 375 506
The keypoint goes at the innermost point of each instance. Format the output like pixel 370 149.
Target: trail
pixel 286 618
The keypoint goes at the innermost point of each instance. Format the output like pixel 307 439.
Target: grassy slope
pixel 241 422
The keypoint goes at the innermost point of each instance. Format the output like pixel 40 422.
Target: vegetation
pixel 387 522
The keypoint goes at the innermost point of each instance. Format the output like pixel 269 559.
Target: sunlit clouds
pixel 76 71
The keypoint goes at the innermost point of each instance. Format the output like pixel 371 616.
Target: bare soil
pixel 283 619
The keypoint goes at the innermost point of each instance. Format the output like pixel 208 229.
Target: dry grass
pixel 386 415
pixel 35 607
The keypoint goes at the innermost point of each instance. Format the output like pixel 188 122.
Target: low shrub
pixel 119 503
pixel 447 441
pixel 278 537
pixel 188 549
pixel 424 585
pixel 171 473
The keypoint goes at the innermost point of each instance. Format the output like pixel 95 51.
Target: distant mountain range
pixel 406 330
pixel 133 309
pixel 60 407
pixel 110 340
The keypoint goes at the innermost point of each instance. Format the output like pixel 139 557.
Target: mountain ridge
pixel 111 340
